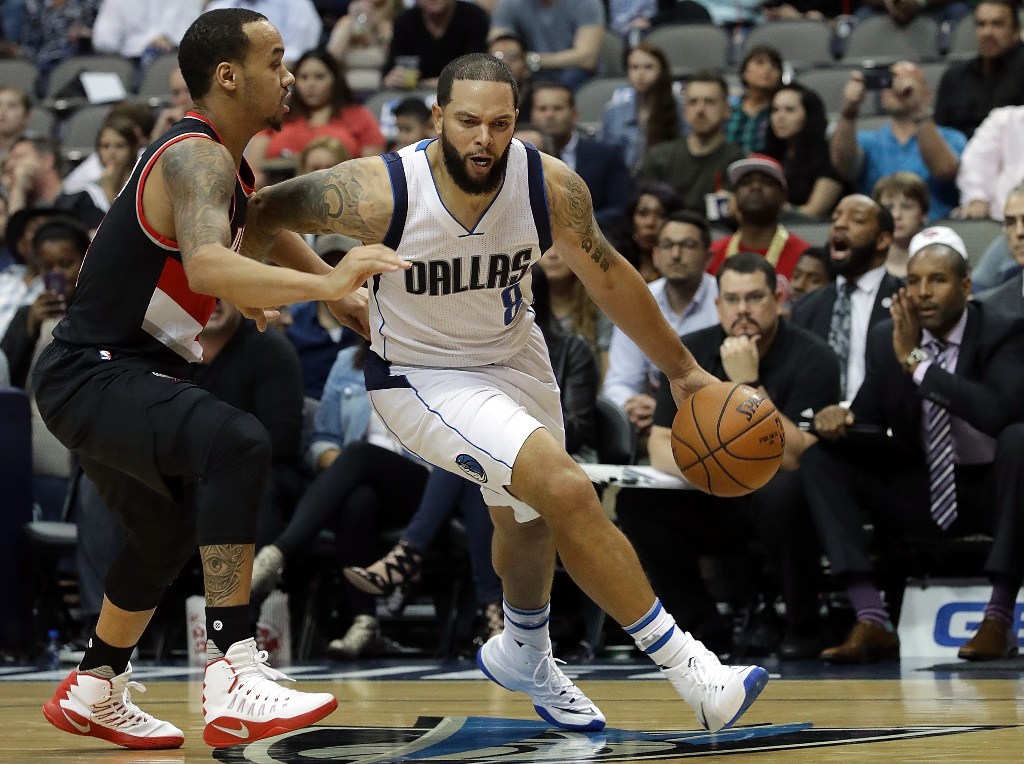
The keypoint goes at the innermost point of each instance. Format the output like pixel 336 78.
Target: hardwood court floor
pixel 937 712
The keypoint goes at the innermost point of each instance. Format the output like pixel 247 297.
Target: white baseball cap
pixel 937 234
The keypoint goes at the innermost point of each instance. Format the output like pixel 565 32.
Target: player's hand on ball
pixel 831 422
pixel 687 384
pixel 359 264
pixel 353 311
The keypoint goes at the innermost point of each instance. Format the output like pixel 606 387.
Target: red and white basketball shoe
pixel 242 701
pixel 86 704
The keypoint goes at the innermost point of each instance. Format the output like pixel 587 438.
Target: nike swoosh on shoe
pixel 83 728
pixel 242 732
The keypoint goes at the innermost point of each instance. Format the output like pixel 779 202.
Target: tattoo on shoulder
pixel 572 213
pixel 200 179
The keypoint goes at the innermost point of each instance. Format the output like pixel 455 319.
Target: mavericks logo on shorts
pixel 471 467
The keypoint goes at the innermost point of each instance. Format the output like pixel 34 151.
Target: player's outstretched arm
pixel 353 198
pixel 612 282
pixel 198 176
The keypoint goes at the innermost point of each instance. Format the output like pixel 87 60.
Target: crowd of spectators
pixel 697 179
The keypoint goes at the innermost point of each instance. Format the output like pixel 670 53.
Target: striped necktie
pixel 939 450
pixel 839 329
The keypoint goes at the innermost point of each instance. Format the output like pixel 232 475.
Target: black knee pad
pixel 238 467
pixel 137 581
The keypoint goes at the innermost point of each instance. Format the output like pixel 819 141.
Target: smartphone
pixel 877 77
pixel 55 283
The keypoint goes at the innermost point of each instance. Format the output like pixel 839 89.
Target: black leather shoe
pixel 795 646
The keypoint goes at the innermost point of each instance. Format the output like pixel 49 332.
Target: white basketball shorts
pixel 471 421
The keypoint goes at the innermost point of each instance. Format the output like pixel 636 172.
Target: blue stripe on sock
pixel 660 643
pixel 518 625
pixel 654 614
pixel 526 612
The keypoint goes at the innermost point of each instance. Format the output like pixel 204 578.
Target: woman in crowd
pixel 651 204
pixel 905 195
pixel 646 111
pixel 796 137
pixel 322 104
pixel 117 145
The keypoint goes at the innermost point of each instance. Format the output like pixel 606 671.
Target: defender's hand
pixel 358 265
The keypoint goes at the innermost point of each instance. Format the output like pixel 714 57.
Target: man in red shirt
pixel 760 189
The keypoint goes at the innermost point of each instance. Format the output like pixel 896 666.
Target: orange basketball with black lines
pixel 728 439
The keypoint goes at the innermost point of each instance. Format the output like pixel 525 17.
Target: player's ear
pixel 225 76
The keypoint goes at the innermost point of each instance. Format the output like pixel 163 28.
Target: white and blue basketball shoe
pixel 522 668
pixel 717 694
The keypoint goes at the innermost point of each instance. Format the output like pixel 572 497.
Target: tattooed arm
pixel 198 179
pixel 612 282
pixel 353 198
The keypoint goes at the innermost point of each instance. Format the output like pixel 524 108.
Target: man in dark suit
pixel 600 165
pixel 943 376
pixel 842 313
pixel 1008 297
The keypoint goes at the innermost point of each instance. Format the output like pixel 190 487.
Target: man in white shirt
pixel 686 296
pixel 297 21
pixel 131 27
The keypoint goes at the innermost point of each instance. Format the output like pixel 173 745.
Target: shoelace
pixel 548 675
pixel 700 664
pixel 118 710
pixel 254 678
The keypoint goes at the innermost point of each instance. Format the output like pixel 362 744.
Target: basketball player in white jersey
pixel 460 374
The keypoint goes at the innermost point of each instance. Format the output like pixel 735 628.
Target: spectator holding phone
pixel 59 247
pixel 910 140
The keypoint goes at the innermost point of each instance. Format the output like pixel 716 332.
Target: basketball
pixel 728 439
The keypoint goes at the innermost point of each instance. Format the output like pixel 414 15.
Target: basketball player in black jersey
pixel 110 388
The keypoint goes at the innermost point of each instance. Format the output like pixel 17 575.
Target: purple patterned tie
pixel 939 449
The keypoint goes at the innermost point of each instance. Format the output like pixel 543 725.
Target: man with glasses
pixel 750 344
pixel 1008 297
pixel 686 295
pixel 760 189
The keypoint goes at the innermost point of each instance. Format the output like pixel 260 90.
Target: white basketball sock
pixel 657 634
pixel 528 627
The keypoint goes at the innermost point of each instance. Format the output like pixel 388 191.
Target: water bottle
pixel 52 656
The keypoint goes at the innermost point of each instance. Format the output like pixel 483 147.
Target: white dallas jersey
pixel 465 301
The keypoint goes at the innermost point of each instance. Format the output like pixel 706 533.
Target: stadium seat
pixel 690 47
pixel 878 38
pixel 801 43
pixel 64 76
pixel 616 435
pixel 591 99
pixel 41 122
pixel 155 87
pixel 611 59
pixel 962 42
pixel 79 131
pixel 20 73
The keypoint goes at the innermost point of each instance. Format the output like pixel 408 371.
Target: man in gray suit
pixel 1008 297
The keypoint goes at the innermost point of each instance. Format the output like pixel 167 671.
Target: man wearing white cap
pixel 760 186
pixel 944 378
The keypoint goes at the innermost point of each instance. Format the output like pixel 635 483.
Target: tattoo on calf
pixel 222 571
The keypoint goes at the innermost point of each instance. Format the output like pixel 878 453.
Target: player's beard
pixel 455 164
